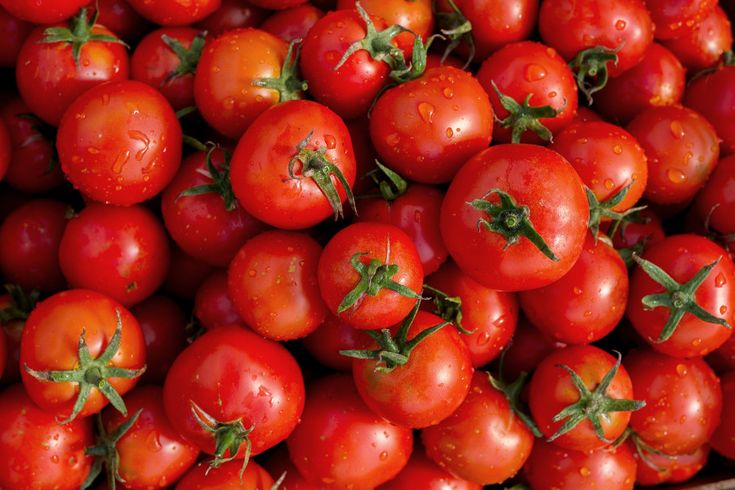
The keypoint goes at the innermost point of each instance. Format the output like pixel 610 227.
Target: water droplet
pixel 552 94
pixel 696 342
pixel 152 441
pixel 383 455
pixel 620 24
pixel 426 111
pixel 139 136
pixel 675 175
pixel 120 161
pixel 720 280
pixel 483 338
pixel 450 133
pixel 535 72
pixel 676 129
pixel 330 141
pixel 93 150
pixel 448 92
pixel 392 139
pixel 577 291
pixel 723 309
pixel 252 273
pixel 609 184
pixel 617 149
pixel 584 471
pixel 55 459
pixel 681 370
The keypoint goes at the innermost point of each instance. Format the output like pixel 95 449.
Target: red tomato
pixel 294 23
pixel 336 423
pixel 723 439
pixel 541 191
pixel 703 44
pixel 715 203
pixel 14 32
pixel 120 143
pixel 174 12
pixel 585 114
pixel 279 464
pixel 226 477
pixel 529 347
pixel 639 232
pixel 122 252
pixel 51 345
pixel 185 275
pixel 657 469
pixel 333 336
pixel 672 17
pixel 421 472
pixel 277 4
pixel 43 11
pixel 230 15
pixel 212 304
pixel 706 95
pixel 120 18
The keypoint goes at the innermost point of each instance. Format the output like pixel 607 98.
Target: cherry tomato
pixel 703 44
pixel 120 17
pixel 421 472
pixel 230 15
pixel 723 439
pixel 706 95
pixel 14 32
pixel 43 11
pixel 673 17
pixel 333 336
pixel 642 230
pixel 529 347
pixel 226 477
pixel 294 23
pixel 657 468
pixel 212 304
pixel 279 464
pixel 174 12
pixel 715 203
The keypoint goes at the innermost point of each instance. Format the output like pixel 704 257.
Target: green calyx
pixel 220 180
pixel 78 34
pixel 92 373
pixel 228 438
pixel 524 117
pixel 394 351
pixel 288 85
pixel 678 298
pixel 448 307
pixel 593 405
pixel 512 392
pixel 188 57
pixel 644 450
pixel 591 69
pixel 603 209
pixel 316 166
pixel 21 304
pixel 105 452
pixel 510 220
pixel 392 186
pixel 456 28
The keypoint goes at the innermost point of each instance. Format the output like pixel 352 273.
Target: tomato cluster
pixel 358 245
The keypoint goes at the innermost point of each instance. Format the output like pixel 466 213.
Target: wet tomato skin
pixel 705 95
pixel 226 477
pixel 213 306
pixel 421 471
pixel 723 439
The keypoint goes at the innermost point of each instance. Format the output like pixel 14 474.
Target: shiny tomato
pixel 672 17
pixel 174 12
pixel 421 472
pixel 293 23
pixel 723 439
pixel 213 306
pixel 230 15
pixel 529 347
pixel 43 11
pixel 703 44
pixel 120 17
pixel 715 203
pixel 656 469
pixel 226 477
pixel 333 336
pixel 706 95
pixel 14 32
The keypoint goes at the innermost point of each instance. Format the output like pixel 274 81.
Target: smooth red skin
pixel 427 389
pixel 524 68
pixel 670 469
pixel 49 69
pixel 333 336
pixel 174 12
pixel 337 276
pixel 14 33
pixel 495 23
pixel 153 61
pixel 232 373
pixel 702 44
pixel 607 158
pixel 713 96
pixel 293 23
pixel 121 18
pixel 716 201
pixel 50 341
pixel 434 60
pixel 163 323
pixel 152 454
pixel 417 213
pixel 31 152
pixel 212 304
pixel 201 225
pixel 672 18
pixel 483 441
pixel 490 315
pixel 350 90
pixel 551 467
pixel 138 152
pixel 223 84
pixel 650 231
pixel 185 274
pixel 279 463
pixel 421 472
pixel 658 80
pixel 723 439
pixel 336 422
pixel 570 26
pixel 273 285
pixel 530 346
pixel 682 150
pixel 226 477
pixel 43 11
pixel 682 256
pixel 587 303
pixel 683 401
pixel 535 177
pixel 426 129
pixel 259 167
pixel 29 245
pixel 585 114
pixel 38 452
pixel 230 15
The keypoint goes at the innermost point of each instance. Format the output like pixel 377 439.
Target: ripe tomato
pixel 540 213
pixel 43 11
pixel 79 351
pixel 14 32
pixel 483 441
pixel 701 45
pixel 185 275
pixel 230 15
pixel 663 468
pixel 174 12
pixel 336 422
pixel 332 337
pixel 277 4
pixel 637 232
pixel 421 472
pixel 673 17
pixel 213 306
pixel 705 95
pixel 294 166
pixel 120 143
pixel 120 17
pixel 38 452
pixel 279 464
pixel 122 252
pixel 226 477
pixel 723 439
pixel 683 401
pixel 715 203
pixel 293 23
pixel 427 128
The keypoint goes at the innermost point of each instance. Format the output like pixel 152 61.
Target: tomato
pixel 14 32
pixel 551 467
pixel 683 401
pixel 185 275
pixel 277 4
pixel 174 12
pixel 541 192
pixel 212 304
pixel 120 143
pixel 427 128
pixel 247 391
pixel 38 452
pixel 703 44
pixel 673 17
pixel 293 23
pixel 723 439
pixel 585 114
pixel 43 11
pixel 201 213
pixel 683 312
pixel 529 347
pixel 273 285
pixel 120 18
pixel 230 15
pixel 421 472
pixel 279 464
pixel 29 245
pixel 658 80
pixel 637 232
pixel 333 336
pixel 483 441
pixel 715 203
pixel 122 252
pixel 709 95
pixel 56 336
pixel 534 76
pixel 48 65
pixel 336 422
pixel 294 166
pixel 144 464
pixel 226 477
pixel 657 469
pixel 370 275
pixel 490 316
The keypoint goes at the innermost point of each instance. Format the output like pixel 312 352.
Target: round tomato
pixel 332 337
pixel 706 95
pixel 230 15
pixel 14 32
pixel 723 439
pixel 703 44
pixel 120 17
pixel 715 203
pixel 672 17
pixel 175 12
pixel 43 11
pixel 213 306
pixel 226 477
pixel 529 347
pixel 421 472
pixel 662 468
pixel 294 23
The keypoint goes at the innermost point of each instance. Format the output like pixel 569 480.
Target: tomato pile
pixel 359 245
